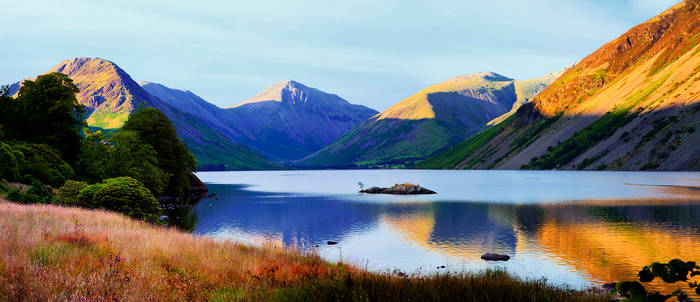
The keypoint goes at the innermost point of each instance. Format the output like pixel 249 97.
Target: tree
pixel 91 165
pixel 46 111
pixel 9 165
pixel 43 163
pixel 130 156
pixel 154 128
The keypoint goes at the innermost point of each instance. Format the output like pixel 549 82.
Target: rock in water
pixel 495 257
pixel 404 188
pixel 331 242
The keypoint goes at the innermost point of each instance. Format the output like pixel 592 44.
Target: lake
pixel 574 228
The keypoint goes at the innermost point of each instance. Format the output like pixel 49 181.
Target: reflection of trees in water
pixel 295 218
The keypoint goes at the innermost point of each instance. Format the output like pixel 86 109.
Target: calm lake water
pixel 574 228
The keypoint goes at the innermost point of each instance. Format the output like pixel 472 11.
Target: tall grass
pixel 50 253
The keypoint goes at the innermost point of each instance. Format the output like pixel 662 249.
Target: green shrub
pixel 128 196
pixel 86 196
pixel 68 194
pixel 43 163
pixel 9 169
pixel 674 271
pixel 37 193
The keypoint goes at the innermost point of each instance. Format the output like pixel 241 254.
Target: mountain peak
pixel 285 91
pixel 94 64
pixel 108 91
pixel 481 76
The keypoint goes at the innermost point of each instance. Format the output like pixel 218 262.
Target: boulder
pixel 495 257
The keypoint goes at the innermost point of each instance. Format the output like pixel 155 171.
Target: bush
pixel 68 194
pixel 86 196
pixel 37 193
pixel 128 196
pixel 9 169
pixel 674 271
pixel 43 163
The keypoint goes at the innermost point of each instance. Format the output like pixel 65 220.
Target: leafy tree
pixel 128 196
pixel 9 167
pixel 154 128
pixel 46 111
pixel 130 156
pixel 5 105
pixel 41 162
pixel 91 165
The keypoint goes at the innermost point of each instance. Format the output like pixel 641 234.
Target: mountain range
pixel 285 122
pixel 431 120
pixel 632 104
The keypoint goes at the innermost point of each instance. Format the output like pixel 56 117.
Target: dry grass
pixel 50 253
pixel 54 253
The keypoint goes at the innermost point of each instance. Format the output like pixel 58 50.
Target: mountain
pixel 526 90
pixel 288 120
pixel 431 120
pixel 110 95
pixel 632 104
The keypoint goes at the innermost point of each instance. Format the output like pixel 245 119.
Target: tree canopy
pixel 154 128
pixel 45 111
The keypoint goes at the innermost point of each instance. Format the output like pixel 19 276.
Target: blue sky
pixel 369 52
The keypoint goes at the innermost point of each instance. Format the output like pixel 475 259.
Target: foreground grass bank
pixel 56 253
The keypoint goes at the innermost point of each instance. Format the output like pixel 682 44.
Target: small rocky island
pixel 404 188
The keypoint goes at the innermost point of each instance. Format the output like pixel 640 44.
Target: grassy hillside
pixel 633 104
pixel 53 253
pixel 431 120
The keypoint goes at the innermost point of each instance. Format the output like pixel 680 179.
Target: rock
pixel 331 242
pixel 609 286
pixel 405 188
pixel 495 257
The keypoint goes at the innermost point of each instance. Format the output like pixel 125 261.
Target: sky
pixel 369 52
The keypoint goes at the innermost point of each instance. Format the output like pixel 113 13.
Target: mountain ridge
pixel 633 104
pixel 430 120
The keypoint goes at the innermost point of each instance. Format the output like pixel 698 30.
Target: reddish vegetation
pixel 671 33
pixel 49 253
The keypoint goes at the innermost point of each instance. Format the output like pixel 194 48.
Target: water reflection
pixel 576 243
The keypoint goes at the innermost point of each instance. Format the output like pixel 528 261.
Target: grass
pixel 453 156
pixel 50 253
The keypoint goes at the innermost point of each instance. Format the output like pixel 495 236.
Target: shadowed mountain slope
pixel 288 120
pixel 432 119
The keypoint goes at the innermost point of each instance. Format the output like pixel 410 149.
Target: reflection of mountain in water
pixel 613 243
pixel 296 219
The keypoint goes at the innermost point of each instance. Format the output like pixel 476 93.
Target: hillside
pixel 288 120
pixel 632 104
pixel 435 118
pixel 110 95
